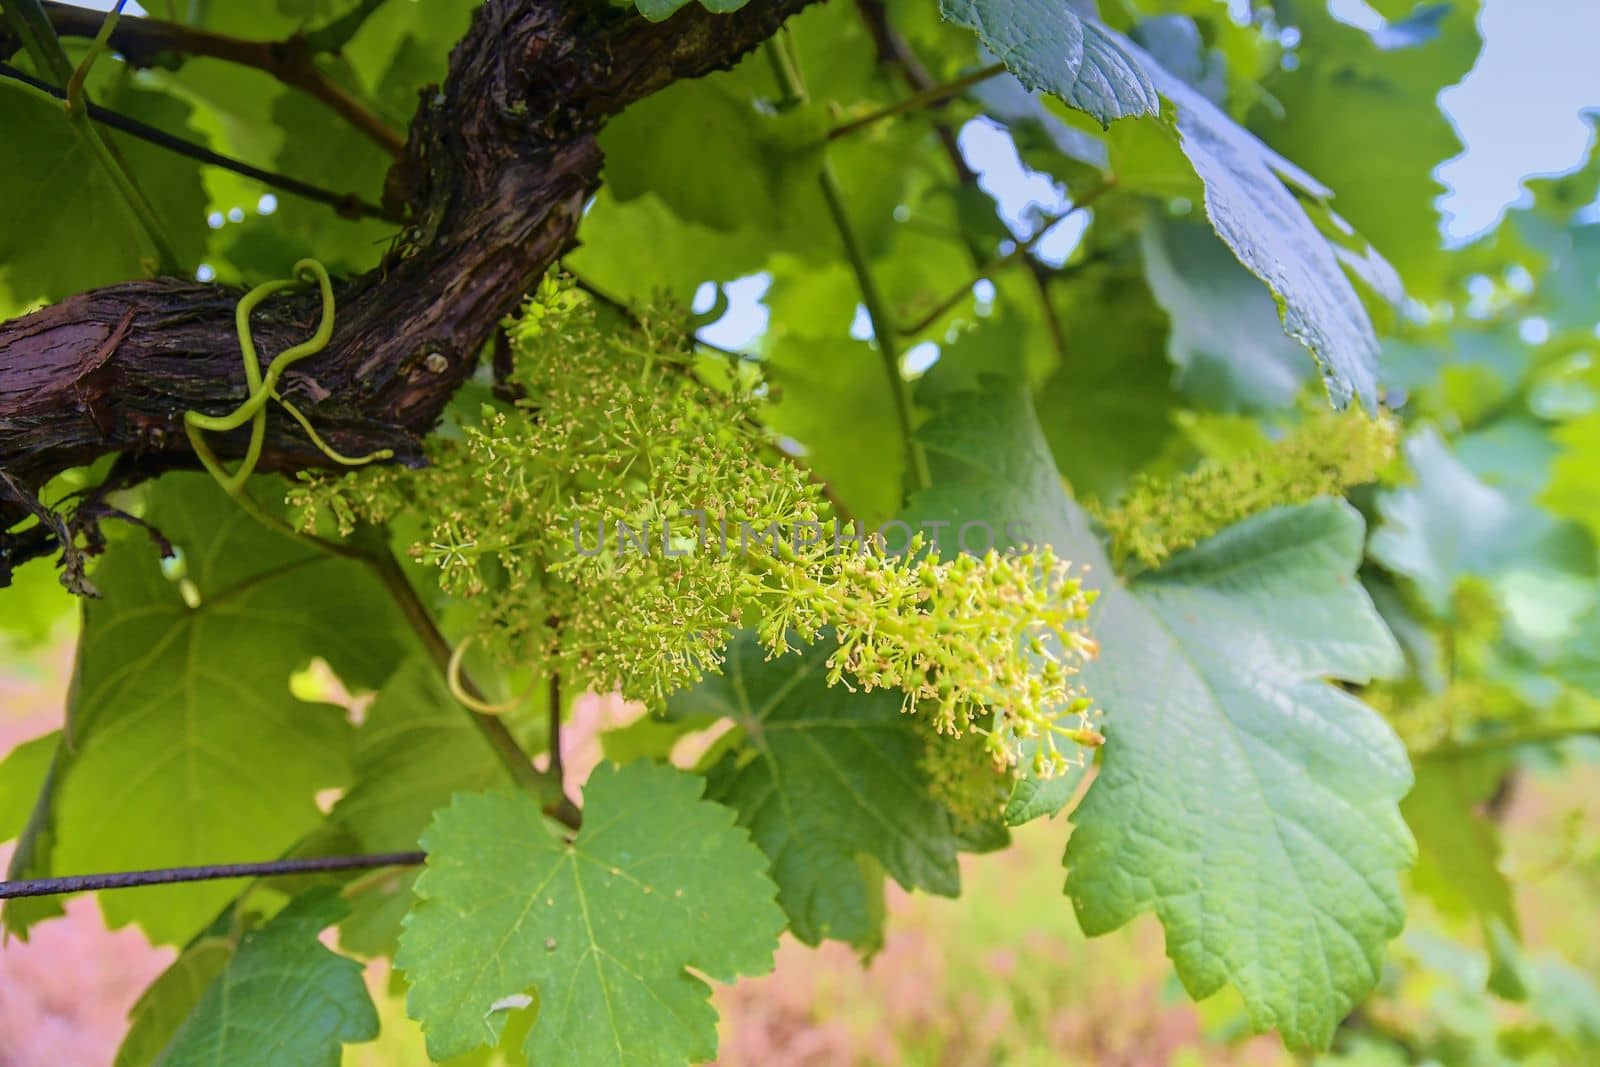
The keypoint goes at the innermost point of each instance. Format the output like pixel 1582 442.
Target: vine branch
pixel 926 97
pixel 88 883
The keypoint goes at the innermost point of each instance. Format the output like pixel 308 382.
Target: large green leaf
pixel 1107 410
pixel 1250 191
pixel 282 999
pixel 640 250
pixel 825 777
pixel 416 749
pixel 184 744
pixel 763 159
pixel 602 928
pixel 22 774
pixel 1049 47
pixel 164 1006
pixel 1249 803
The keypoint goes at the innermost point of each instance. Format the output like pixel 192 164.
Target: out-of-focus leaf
pixel 1226 340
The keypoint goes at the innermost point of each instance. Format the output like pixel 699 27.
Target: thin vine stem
pixel 346 205
pixel 88 883
pixel 1542 735
pixel 494 730
pixel 98 45
pixel 557 770
pixel 144 41
pixel 792 85
pixel 928 97
pixel 999 263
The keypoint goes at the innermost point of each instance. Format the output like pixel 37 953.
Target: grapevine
pixel 716 471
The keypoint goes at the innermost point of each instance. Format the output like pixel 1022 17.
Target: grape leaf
pixel 1365 119
pixel 826 776
pixel 602 928
pixel 1107 417
pixel 1248 194
pixel 22 775
pixel 1246 801
pixel 282 999
pixel 1050 48
pixel 638 250
pixel 765 160
pixel 412 754
pixel 414 751
pixel 186 746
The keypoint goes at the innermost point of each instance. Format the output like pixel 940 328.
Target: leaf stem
pixel 999 263
pixel 926 97
pixel 1541 735
pixel 791 84
pixel 98 45
pixel 88 883
pixel 557 771
pixel 493 729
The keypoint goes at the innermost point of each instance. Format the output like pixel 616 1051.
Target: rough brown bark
pixel 497 167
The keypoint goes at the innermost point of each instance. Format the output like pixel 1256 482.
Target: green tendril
pixel 264 387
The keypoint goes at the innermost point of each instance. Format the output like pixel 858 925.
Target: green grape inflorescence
pixel 1327 454
pixel 620 521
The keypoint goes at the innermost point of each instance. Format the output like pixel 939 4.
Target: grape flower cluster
pixel 624 428
pixel 1325 455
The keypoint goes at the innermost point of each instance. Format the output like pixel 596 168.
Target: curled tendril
pixel 264 387
pixel 452 678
